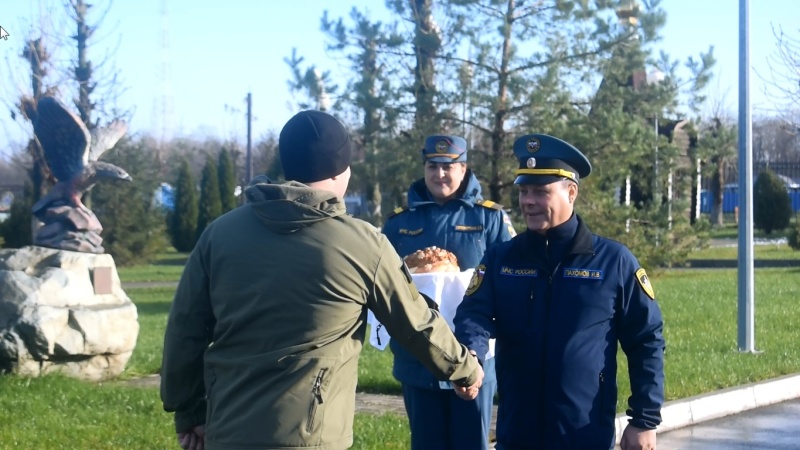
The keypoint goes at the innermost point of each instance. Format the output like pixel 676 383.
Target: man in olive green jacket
pixel 263 338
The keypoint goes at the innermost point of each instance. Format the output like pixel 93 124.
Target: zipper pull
pixel 317 390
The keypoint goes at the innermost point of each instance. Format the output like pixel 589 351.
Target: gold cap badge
pixel 533 145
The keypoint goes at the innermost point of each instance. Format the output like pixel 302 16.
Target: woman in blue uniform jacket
pixel 446 210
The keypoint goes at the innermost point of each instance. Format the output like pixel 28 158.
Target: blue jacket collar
pixel 571 237
pixel 469 192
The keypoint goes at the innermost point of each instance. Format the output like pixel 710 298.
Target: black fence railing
pixel 788 172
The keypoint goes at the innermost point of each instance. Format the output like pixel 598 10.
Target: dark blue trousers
pixel 440 420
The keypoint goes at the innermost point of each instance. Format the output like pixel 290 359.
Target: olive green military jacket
pixel 269 318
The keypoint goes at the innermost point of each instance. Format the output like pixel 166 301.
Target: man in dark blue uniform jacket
pixel 558 299
pixel 445 209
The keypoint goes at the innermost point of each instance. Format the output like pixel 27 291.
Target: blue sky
pixel 220 51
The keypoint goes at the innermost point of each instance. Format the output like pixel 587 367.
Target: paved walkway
pixel 365 403
pixel 772 427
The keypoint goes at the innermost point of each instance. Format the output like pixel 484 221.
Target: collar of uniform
pixel 582 243
pixel 573 230
pixel 561 233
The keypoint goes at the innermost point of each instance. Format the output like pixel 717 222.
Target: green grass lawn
pixel 700 327
pixel 699 307
pixel 52 413
pixel 761 252
pixel 730 229
pixel 167 267
pixel 153 306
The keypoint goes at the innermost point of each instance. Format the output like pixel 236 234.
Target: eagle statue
pixel 71 154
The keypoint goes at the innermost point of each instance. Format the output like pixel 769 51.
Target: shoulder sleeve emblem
pixel 397 211
pixel 512 231
pixel 509 225
pixel 489 204
pixel 477 278
pixel 644 282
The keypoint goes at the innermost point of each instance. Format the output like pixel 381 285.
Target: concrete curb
pixel 693 410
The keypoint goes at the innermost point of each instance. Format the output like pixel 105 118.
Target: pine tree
pixel 210 204
pixel 772 207
pixel 368 94
pixel 183 219
pixel 226 174
pixel 133 226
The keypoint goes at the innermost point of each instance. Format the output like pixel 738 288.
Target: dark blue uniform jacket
pixel 466 226
pixel 557 322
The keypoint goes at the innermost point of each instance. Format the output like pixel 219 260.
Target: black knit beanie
pixel 314 146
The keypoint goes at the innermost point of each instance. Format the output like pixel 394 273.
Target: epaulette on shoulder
pixel 489 204
pixel 397 211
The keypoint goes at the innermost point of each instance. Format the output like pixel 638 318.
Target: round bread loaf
pixel 432 259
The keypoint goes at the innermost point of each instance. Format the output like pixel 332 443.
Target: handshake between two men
pixel 470 392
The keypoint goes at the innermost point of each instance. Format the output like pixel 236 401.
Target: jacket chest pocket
pixel 409 240
pixel 584 303
pixel 517 302
pixel 468 242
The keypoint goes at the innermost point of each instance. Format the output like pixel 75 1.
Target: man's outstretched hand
pixel 470 392
pixel 194 439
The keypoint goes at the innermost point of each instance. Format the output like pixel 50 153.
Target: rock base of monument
pixel 64 311
pixel 66 227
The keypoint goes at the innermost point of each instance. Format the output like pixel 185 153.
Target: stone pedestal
pixel 64 311
pixel 65 227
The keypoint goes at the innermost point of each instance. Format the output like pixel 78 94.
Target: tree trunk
pixel 717 191
pixel 83 74
pixel 498 130
pixel 83 68
pixel 372 125
pixel 427 44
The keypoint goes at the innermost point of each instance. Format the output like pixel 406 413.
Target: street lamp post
pixel 746 297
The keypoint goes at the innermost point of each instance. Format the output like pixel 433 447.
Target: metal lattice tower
pixel 163 109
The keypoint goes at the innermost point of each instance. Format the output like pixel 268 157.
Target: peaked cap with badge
pixel 546 159
pixel 444 149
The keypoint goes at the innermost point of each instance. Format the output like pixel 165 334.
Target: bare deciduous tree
pixel 783 81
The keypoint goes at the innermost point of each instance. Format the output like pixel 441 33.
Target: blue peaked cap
pixel 444 149
pixel 545 159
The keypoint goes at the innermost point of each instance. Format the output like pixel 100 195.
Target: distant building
pixel 730 195
pixel 164 197
pixel 7 195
